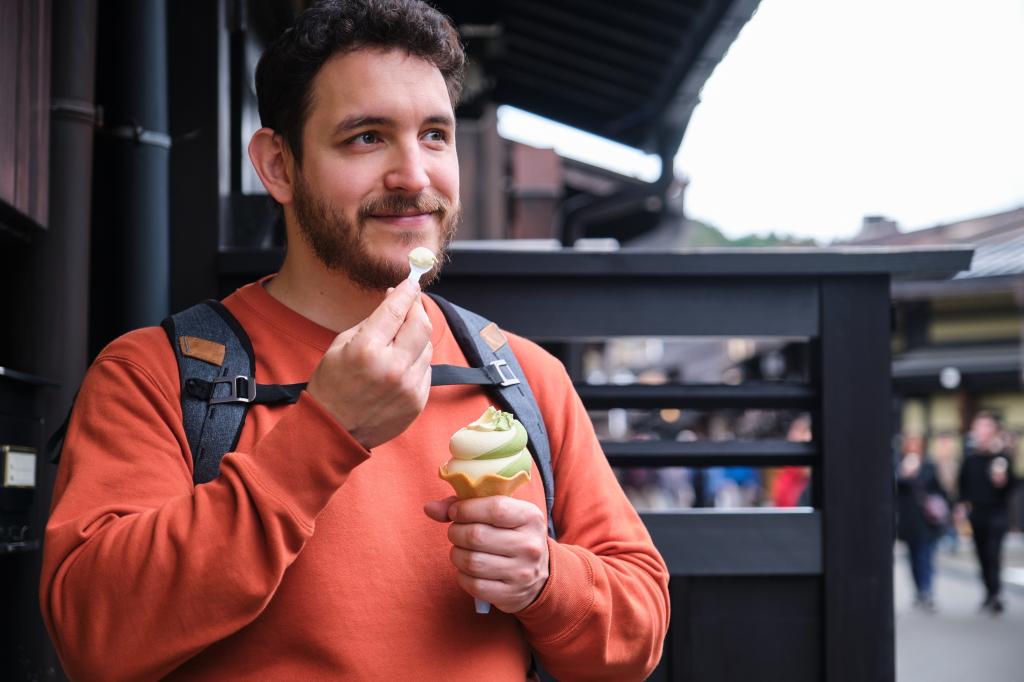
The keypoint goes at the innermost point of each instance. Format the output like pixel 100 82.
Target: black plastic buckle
pixel 243 390
pixel 504 373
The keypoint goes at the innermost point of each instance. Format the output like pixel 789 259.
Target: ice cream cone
pixel 483 486
pixel 492 454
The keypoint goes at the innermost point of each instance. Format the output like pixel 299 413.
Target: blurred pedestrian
pixel 922 513
pixel 791 484
pixel 986 483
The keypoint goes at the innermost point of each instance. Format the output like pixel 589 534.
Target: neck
pixel 324 296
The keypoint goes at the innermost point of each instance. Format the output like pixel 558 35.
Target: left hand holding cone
pixel 499 547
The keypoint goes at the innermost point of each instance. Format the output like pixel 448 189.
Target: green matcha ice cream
pixel 492 446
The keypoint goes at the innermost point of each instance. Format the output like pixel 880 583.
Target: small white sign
pixel 19 468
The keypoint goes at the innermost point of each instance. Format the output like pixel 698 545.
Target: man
pixel 986 484
pixel 312 555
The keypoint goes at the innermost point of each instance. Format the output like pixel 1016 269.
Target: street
pixel 958 642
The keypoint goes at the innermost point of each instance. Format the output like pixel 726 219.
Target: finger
pixel 484 565
pixel 422 364
pixel 480 537
pixel 387 318
pixel 416 379
pixel 424 370
pixel 414 332
pixel 426 382
pixel 421 312
pixel 482 588
pixel 496 510
pixel 438 509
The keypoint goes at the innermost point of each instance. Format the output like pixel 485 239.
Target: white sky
pixel 824 111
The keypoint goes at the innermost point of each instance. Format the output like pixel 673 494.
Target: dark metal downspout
pixel 65 246
pixel 132 230
pixel 577 215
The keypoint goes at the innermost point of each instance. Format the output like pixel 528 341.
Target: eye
pixel 436 135
pixel 367 138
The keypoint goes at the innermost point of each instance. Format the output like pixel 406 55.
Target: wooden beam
pixel 857 484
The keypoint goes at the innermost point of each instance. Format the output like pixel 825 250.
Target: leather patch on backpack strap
pixel 202 349
pixel 493 336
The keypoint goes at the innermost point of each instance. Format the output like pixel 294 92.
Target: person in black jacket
pixel 986 482
pixel 922 512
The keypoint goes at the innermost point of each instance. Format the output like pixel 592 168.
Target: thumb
pixel 438 509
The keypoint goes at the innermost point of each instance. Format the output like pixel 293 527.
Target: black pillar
pixel 131 261
pixel 857 478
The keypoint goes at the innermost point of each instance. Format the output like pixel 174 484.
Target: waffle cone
pixel 484 486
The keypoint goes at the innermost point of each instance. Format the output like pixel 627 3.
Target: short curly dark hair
pixel 285 73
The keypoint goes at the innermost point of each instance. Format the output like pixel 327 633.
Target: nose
pixel 407 171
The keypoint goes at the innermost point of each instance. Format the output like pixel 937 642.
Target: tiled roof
pixel 998 256
pixel 998 240
pixel 970 231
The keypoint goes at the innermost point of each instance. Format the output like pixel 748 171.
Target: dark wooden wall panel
pixel 751 628
pixel 33 191
pixel 8 84
pixel 25 107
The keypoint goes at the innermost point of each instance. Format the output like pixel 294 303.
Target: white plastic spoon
pixel 421 260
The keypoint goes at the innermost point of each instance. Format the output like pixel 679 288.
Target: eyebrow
pixel 359 121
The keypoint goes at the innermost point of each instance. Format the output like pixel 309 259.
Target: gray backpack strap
pixel 499 370
pixel 212 424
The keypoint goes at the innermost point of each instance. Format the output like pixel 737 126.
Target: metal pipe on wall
pixel 131 254
pixel 580 211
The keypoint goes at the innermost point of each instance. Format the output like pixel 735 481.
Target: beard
pixel 340 243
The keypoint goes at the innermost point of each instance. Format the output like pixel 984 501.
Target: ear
pixel 274 164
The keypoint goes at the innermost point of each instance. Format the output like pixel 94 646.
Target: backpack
pixel 216 366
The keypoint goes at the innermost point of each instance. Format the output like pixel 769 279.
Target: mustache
pixel 397 204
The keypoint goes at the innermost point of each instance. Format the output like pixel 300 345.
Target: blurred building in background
pixel 957 344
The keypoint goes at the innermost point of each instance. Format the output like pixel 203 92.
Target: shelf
pixel 606 396
pixel 19 547
pixel 657 453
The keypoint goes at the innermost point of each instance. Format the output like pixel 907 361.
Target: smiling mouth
pixel 396 216
pixel 405 220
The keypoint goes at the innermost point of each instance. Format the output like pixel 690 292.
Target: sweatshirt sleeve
pixel 604 611
pixel 141 569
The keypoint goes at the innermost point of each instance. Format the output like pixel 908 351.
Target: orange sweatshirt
pixel 310 557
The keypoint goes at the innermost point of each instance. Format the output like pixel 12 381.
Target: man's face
pixel 983 432
pixel 379 174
